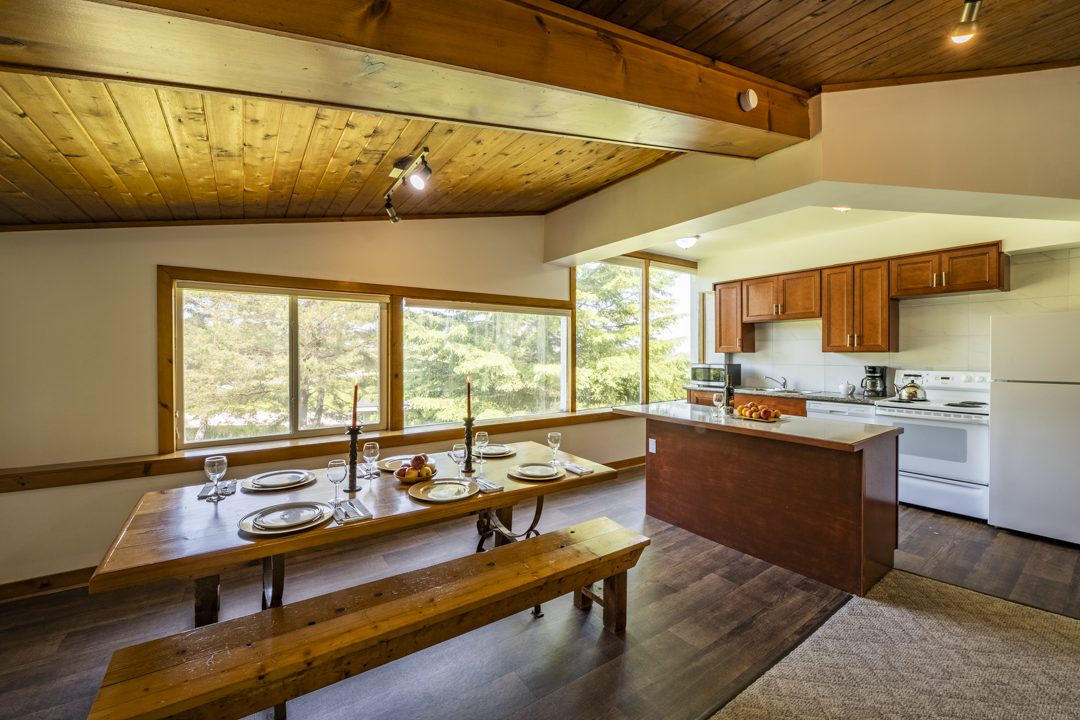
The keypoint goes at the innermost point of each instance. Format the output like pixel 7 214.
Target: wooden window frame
pixel 169 276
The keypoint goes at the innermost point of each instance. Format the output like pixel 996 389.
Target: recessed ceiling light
pixel 842 209
pixel 687 242
pixel 967 27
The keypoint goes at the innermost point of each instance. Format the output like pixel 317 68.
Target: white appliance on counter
pixel 1035 436
pixel 944 460
pixel 844 412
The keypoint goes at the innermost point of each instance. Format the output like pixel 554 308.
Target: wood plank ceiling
pixel 77 151
pixel 809 43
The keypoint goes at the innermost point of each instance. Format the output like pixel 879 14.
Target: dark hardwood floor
pixel 972 554
pixel 704 622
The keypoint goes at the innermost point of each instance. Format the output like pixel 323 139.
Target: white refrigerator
pixel 1035 424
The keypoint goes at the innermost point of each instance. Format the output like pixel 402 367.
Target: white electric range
pixel 944 460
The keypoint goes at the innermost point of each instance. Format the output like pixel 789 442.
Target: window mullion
pixel 294 364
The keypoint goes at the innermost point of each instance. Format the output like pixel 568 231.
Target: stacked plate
pixel 285 518
pixel 391 464
pixel 494 450
pixel 278 480
pixel 536 472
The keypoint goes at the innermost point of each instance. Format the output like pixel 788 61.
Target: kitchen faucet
pixel 782 381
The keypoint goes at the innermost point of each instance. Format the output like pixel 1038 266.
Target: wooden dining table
pixel 171 534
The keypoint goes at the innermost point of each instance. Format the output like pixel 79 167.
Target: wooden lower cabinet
pixel 701 397
pixel 786 405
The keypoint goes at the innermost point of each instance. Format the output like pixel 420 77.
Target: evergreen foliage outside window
pixel 517 362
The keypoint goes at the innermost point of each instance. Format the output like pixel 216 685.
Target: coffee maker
pixel 875 384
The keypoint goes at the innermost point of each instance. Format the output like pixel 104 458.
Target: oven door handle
pixel 972 420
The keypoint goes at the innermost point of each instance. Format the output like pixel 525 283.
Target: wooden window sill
pixel 251 453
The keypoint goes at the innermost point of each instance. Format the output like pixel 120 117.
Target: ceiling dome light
pixel 842 209
pixel 687 242
pixel 418 179
pixel 967 27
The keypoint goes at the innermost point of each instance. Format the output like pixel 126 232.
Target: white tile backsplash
pixel 949 332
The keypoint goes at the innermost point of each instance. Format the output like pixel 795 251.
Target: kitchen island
pixel 814 496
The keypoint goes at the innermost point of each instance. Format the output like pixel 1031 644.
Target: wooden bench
pixel 234 668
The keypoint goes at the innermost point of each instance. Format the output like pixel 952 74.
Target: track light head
pixel 967 27
pixel 394 217
pixel 419 177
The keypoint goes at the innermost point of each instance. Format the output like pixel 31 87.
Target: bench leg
pixel 615 603
pixel 207 600
pixel 273 577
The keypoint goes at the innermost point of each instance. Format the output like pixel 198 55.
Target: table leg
pixel 207 600
pixel 506 517
pixel 273 577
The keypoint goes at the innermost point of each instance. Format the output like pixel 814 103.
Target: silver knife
pixel 360 508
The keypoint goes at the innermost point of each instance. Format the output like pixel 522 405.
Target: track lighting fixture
pixel 394 217
pixel 419 177
pixel 687 242
pixel 967 27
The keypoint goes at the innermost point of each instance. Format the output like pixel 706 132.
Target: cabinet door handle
pixel 935 280
pixel 856 339
pixel 774 311
pixel 738 342
pixel 781 308
pixel 943 283
pixel 848 341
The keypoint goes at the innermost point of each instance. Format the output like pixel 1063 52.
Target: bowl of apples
pixel 761 413
pixel 419 468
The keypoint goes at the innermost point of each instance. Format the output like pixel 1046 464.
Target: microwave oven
pixel 715 375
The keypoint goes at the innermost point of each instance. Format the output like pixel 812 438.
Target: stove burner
pixel 967 404
pixel 908 402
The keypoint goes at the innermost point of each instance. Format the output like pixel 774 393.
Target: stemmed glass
pixel 459 454
pixel 481 442
pixel 718 404
pixel 371 454
pixel 336 470
pixel 215 468
pixel 554 440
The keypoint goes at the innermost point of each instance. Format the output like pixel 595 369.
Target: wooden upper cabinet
pixel 916 275
pixel 837 304
pixel 970 269
pixel 978 267
pixel 759 300
pixel 876 315
pixel 799 295
pixel 732 334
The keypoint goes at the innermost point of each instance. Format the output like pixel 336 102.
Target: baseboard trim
pixel 627 463
pixel 45 584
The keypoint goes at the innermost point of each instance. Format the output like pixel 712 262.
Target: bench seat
pixel 234 668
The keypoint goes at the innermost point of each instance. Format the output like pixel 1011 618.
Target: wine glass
pixel 459 454
pixel 718 401
pixel 481 442
pixel 371 454
pixel 335 473
pixel 554 440
pixel 215 468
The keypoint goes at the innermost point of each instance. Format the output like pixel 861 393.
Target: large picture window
pixel 256 363
pixel 613 326
pixel 516 357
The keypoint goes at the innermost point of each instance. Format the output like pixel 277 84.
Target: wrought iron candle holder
pixel 354 439
pixel 468 445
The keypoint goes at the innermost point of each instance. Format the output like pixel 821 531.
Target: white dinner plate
pixel 495 450
pixel 279 521
pixel 444 491
pixel 536 472
pixel 278 480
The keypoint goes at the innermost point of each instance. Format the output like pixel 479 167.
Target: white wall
pixel 78 367
pixel 949 332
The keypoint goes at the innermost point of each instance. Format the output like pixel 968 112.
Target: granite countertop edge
pixel 820 397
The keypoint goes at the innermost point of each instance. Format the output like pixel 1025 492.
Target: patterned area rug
pixel 917 648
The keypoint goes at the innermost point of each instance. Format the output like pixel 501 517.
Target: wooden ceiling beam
pixel 528 65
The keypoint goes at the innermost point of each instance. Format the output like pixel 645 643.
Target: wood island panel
pixel 828 514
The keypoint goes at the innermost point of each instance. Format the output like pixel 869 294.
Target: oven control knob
pixel 966 378
pixel 980 378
